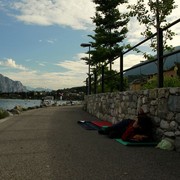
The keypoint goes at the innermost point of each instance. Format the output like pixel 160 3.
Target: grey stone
pixel 157 120
pixel 161 93
pixel 164 124
pixel 153 94
pixel 162 107
pixel 174 90
pixel 177 144
pixel 174 103
pixel 177 133
pixel 169 134
pixel 144 100
pixel 145 108
pixel 177 118
pixel 159 133
pixel 154 102
pixel 170 116
pixel 173 125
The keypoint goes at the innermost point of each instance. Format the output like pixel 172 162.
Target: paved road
pixel 47 144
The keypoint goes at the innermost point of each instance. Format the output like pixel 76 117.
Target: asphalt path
pixel 48 144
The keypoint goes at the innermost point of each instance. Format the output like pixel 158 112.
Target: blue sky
pixel 40 41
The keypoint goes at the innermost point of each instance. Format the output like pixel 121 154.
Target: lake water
pixel 11 103
pixel 8 104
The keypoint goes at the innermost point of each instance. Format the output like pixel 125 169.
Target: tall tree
pixel 110 31
pixel 147 14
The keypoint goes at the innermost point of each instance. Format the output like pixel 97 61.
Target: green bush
pixel 3 113
pixel 168 82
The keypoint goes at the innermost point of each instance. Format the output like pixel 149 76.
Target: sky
pixel 40 41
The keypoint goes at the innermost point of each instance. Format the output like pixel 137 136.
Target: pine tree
pixel 110 31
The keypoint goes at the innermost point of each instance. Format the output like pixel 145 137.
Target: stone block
pixel 177 118
pixel 154 102
pixel 162 108
pixel 173 125
pixel 177 133
pixel 161 93
pixel 177 144
pixel 174 103
pixel 159 133
pixel 144 100
pixel 170 116
pixel 145 108
pixel 175 90
pixel 164 124
pixel 153 94
pixel 169 134
pixel 156 120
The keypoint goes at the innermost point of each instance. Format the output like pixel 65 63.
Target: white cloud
pixel 41 64
pixel 129 60
pixel 75 68
pixel 51 41
pixel 74 75
pixel 75 14
pixel 12 64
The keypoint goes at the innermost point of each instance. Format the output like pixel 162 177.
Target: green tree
pixel 153 16
pixel 110 31
pixel 111 81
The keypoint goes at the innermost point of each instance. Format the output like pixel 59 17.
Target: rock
pixel 169 134
pixel 156 120
pixel 19 108
pixel 177 118
pixel 174 103
pixel 170 116
pixel 10 113
pixel 177 133
pixel 173 125
pixel 15 111
pixel 177 144
pixel 164 124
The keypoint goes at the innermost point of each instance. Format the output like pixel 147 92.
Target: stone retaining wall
pixel 162 105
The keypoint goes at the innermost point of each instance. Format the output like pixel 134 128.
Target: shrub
pixel 168 82
pixel 3 113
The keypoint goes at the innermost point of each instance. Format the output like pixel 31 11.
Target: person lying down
pixel 139 129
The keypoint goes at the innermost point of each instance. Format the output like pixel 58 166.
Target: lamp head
pixel 85 45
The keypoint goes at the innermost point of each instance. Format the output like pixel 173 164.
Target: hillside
pixel 8 85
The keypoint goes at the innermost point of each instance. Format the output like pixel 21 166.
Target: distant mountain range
pixel 8 85
pixel 151 68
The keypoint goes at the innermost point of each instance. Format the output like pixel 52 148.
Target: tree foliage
pixel 111 29
pixel 153 14
pixel 112 81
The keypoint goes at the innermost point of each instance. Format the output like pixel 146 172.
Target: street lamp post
pixel 89 75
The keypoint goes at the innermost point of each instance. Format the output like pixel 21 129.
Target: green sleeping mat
pixel 135 143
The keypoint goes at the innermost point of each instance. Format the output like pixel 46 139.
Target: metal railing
pixel 159 59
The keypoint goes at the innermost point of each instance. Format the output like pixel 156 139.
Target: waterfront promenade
pixel 48 144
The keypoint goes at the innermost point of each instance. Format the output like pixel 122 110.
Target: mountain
pixel 8 85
